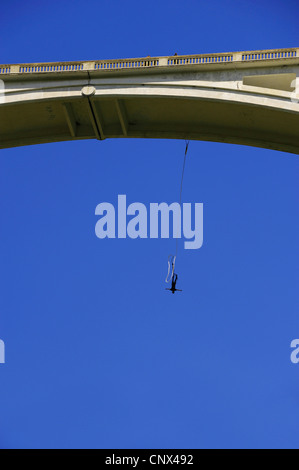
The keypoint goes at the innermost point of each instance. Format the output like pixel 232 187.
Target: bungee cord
pixel 171 265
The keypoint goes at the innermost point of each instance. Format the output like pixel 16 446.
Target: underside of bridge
pixel 147 117
pixel 251 104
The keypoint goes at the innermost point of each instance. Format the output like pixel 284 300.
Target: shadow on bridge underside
pixel 94 117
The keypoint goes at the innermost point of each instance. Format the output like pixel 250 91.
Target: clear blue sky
pixel 98 354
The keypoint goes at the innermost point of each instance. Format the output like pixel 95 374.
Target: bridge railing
pixel 126 63
pixel 233 57
pixel 265 55
pixel 200 59
pixel 35 68
pixel 5 69
pixel 151 62
pixel 50 68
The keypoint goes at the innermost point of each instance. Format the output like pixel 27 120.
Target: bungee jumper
pixel 171 276
pixel 173 289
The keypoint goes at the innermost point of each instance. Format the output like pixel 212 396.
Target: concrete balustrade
pixel 148 62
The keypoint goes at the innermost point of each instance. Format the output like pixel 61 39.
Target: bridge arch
pixel 249 98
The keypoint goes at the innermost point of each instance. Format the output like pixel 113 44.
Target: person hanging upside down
pixel 174 279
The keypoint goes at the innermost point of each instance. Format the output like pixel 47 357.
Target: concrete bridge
pixel 249 98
